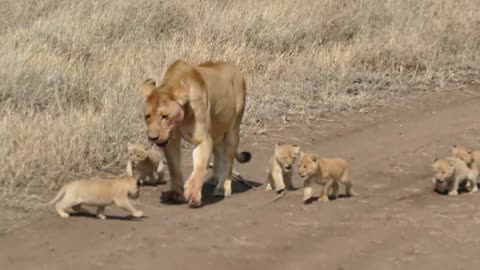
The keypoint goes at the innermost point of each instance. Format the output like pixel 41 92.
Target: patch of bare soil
pixel 396 221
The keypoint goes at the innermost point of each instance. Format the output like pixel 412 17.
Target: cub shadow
pixel 462 188
pixel 121 218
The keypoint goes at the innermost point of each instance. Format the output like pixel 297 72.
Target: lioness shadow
pixel 238 186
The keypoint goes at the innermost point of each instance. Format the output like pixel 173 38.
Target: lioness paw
pixel 173 196
pixel 193 193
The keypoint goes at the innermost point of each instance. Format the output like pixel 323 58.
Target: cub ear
pixel 435 159
pixel 296 149
pixel 147 87
pixel 454 146
pixel 469 151
pixel 314 158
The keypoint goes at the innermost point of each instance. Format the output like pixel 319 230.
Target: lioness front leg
pixel 125 205
pixel 173 157
pixel 193 186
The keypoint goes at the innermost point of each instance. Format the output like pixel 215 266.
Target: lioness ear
pixel 314 158
pixel 147 87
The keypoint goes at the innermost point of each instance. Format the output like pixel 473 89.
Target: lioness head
pixel 137 152
pixel 163 109
pixel 442 170
pixel 463 153
pixel 286 154
pixel 308 165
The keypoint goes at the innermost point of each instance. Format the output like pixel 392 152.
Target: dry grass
pixel 70 70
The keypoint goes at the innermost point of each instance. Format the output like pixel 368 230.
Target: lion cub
pixel 280 167
pixel 449 172
pixel 324 171
pixel 146 165
pixel 470 157
pixel 97 192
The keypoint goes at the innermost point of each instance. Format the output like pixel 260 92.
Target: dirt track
pixel 396 222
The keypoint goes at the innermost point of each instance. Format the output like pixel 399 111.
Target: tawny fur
pixel 470 157
pixel 97 192
pixel 146 165
pixel 449 173
pixel 280 167
pixel 328 172
pixel 202 104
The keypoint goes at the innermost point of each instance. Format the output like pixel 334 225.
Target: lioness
pixel 449 172
pixel 324 171
pixel 470 157
pixel 204 105
pixel 146 165
pixel 280 167
pixel 97 192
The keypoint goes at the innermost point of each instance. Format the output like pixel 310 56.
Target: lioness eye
pixel 165 116
pixel 147 116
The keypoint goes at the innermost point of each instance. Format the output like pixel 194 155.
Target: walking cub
pixel 280 167
pixel 470 157
pixel 324 171
pixel 449 172
pixel 97 192
pixel 146 165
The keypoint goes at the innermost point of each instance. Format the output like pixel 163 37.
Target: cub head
pixel 463 153
pixel 286 155
pixel 133 191
pixel 308 165
pixel 163 109
pixel 443 169
pixel 137 152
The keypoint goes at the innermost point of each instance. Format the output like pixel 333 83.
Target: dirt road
pixel 396 221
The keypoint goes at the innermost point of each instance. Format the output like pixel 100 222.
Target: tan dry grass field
pixel 70 70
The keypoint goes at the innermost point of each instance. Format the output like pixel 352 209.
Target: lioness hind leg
pixel 219 169
pixel 225 152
